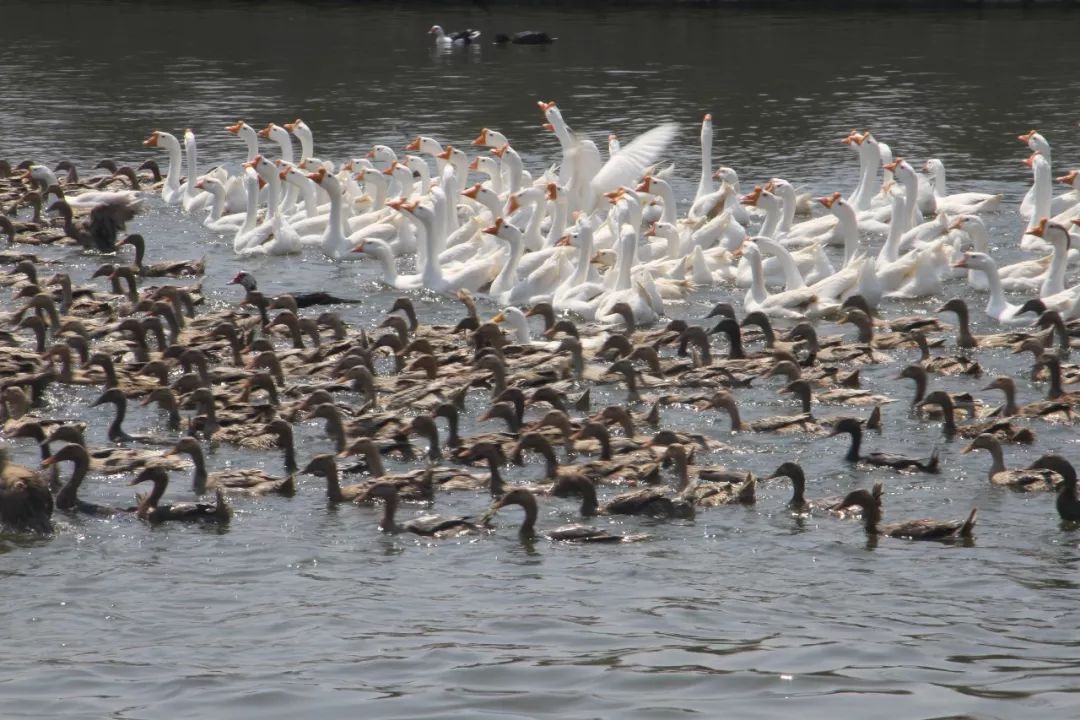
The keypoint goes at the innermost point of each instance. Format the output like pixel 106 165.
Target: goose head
pixel 1054 233
pixel 1072 179
pixel 490 138
pixel 428 146
pixel 975 261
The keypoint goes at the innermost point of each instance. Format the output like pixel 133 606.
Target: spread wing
pixel 626 166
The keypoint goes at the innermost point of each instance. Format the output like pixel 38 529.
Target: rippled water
pixel 302 609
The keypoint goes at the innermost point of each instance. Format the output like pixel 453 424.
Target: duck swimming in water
pixel 852 427
pixel 794 472
pixel 910 529
pixel 26 504
pixel 428 525
pixel 1029 480
pixel 569 533
pixel 150 507
pixel 1068 504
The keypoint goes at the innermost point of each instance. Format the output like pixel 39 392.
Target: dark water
pixel 302 610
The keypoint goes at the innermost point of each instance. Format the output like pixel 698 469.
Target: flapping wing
pixel 626 166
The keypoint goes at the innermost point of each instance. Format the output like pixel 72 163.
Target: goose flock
pixel 595 248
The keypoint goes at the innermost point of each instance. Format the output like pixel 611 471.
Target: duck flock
pixel 595 248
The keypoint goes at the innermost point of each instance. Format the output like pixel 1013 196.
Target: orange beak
pixel 445 154
pixel 482 139
pixel 292 126
pixel 262 183
pixel 414 146
pixel 283 174
pixel 152 140
pixel 645 184
pixel 1026 137
pixel 860 139
pixel 390 168
pixel 545 106
pixel 494 229
pixel 317 176
pixel 614 196
pixel 475 164
pixel 359 248
pixel 499 152
pixel 651 232
pixel 707 118
pixel 564 241
pixel 891 167
pixel 200 184
pixel 1068 179
pixel 1030 160
pixel 472 192
pixel 513 206
pixel 957 224
pixel 829 201
pixel 552 191
pixel 1039 230
pixel 265 132
pixel 752 198
pixel 235 129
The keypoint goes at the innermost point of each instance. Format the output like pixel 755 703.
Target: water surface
pixel 301 609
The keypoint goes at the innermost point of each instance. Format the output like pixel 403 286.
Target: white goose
pixel 589 179
pixel 333 242
pixel 576 292
pixel 1037 144
pixel 1053 282
pixel 705 182
pixel 300 129
pixel 1041 192
pixel 967 203
pixel 381 251
pixel 460 37
pixel 246 133
pixel 251 233
pixel 216 219
pixel 172 191
pixel 1067 205
pixel 997 307
pixel 281 136
pixel 469 276
pixel 869 161
pixel 283 238
pixel 535 287
pixel 193 199
pixel 790 304
pixel 1024 276
pixel 634 291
